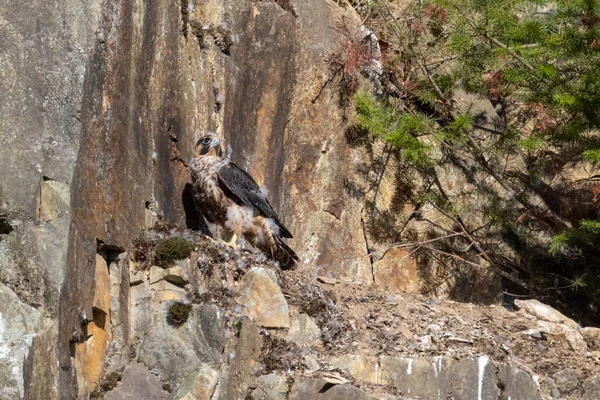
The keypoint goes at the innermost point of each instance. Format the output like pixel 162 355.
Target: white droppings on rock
pixel 483 361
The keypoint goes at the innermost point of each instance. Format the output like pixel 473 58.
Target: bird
pixel 228 196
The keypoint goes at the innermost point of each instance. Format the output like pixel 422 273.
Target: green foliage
pixel 178 313
pixel 558 242
pixel 399 130
pixel 592 155
pixel 538 63
pixel 172 249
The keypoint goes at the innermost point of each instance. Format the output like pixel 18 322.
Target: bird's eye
pixel 206 141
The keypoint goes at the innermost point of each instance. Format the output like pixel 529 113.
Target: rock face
pixel 18 325
pixel 138 383
pixel 164 73
pixel 103 102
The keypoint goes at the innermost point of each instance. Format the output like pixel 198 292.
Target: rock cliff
pixel 103 101
pixel 224 324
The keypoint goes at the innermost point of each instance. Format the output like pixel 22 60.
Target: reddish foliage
pixel 595 44
pixel 543 121
pixel 409 86
pixel 596 192
pixel 493 82
pixel 418 27
pixel 435 13
pixel 357 56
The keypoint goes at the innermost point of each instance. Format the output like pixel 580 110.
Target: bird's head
pixel 209 145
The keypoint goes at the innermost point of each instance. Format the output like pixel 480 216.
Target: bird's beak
pixel 216 142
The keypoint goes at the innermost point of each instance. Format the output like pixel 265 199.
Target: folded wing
pixel 242 188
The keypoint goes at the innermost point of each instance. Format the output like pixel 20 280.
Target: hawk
pixel 229 196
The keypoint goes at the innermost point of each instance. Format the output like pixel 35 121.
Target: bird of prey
pixel 229 196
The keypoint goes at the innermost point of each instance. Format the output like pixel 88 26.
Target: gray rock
pixel 199 385
pixel 43 62
pixel 270 387
pixel 517 384
pixel 545 312
pixel 18 325
pixel 138 383
pixel 173 352
pixel 243 359
pixel 548 388
pixel 41 366
pixel 304 331
pixel 567 379
pixel 441 377
pixel 591 387
pixel 306 388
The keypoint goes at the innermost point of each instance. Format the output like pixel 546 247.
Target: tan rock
pixel 573 336
pixel 89 355
pixel 303 331
pixel 199 385
pixel 102 285
pixel 262 299
pixel 545 312
pixel 156 274
pixel 270 387
pixel 176 275
pixel 591 337
pixel 397 271
pixel 54 198
pixel 136 277
pixel 360 367
pixel 166 291
pixel 311 363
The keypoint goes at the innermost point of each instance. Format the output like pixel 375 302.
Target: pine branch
pixel 495 41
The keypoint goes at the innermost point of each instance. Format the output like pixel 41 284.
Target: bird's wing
pixel 244 190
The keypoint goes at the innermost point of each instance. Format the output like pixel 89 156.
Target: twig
pixel 481 252
pixel 432 81
pixel 327 83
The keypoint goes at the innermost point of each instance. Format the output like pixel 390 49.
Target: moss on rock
pixel 178 313
pixel 172 249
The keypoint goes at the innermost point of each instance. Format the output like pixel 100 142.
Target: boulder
pixel 591 337
pixel 303 331
pixel 571 335
pixel 199 385
pixel 545 312
pixel 319 389
pixel 262 299
pixel 138 382
pixel 270 387
pixel 362 368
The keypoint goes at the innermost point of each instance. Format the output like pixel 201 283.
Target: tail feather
pixel 284 254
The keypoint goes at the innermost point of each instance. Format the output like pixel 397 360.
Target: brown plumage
pixel 230 197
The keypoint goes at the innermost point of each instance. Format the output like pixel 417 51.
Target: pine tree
pixel 538 63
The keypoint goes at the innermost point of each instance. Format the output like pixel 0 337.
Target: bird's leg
pixel 233 242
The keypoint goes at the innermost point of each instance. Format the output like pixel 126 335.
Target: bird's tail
pixel 284 254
